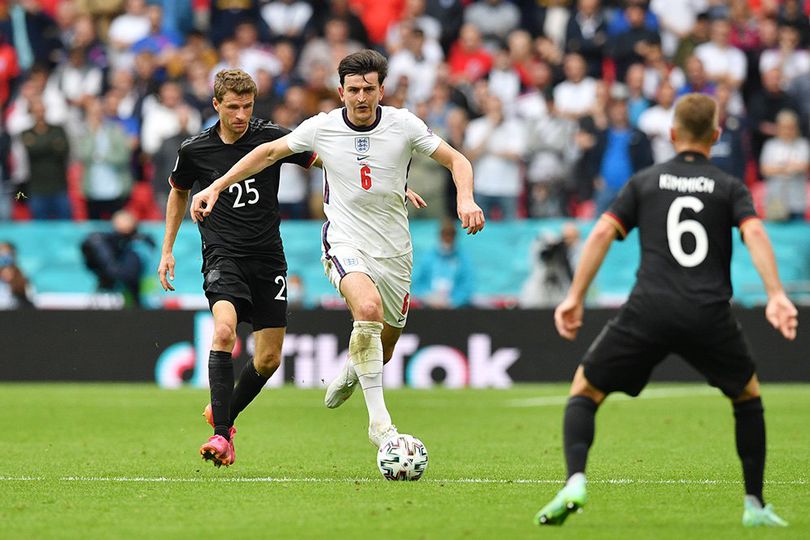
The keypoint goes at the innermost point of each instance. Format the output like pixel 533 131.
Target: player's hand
pixel 203 203
pixel 416 200
pixel 568 318
pixel 782 315
pixel 166 271
pixel 471 216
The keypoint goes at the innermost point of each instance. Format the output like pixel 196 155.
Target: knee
pixel 224 336
pixel 267 363
pixel 369 310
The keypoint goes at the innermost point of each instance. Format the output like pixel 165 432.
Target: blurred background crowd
pixel 555 102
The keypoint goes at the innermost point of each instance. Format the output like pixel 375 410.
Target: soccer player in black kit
pixel 685 210
pixel 243 259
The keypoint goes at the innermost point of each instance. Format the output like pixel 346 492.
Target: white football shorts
pixel 391 275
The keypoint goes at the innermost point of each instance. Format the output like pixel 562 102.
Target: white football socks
pixel 366 354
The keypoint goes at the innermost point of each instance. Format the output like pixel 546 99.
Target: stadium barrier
pixel 463 348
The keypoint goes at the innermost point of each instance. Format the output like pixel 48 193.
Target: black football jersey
pixel 685 210
pixel 245 220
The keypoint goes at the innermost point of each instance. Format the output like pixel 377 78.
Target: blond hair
pixel 696 118
pixel 233 80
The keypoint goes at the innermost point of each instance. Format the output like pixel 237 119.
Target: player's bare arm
pixel 568 315
pixel 780 311
pixel 255 161
pixel 471 216
pixel 175 207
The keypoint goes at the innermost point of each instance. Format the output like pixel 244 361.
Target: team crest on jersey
pixel 361 144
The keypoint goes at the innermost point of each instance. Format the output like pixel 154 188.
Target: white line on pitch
pixel 653 393
pixel 305 480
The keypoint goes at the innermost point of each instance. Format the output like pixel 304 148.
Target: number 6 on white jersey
pixel 676 229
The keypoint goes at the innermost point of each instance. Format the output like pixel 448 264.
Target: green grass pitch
pixel 121 461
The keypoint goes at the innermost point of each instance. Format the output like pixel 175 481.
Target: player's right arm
pixel 175 208
pixel 780 311
pixel 568 315
pixel 255 161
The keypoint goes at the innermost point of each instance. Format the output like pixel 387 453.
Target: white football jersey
pixel 365 170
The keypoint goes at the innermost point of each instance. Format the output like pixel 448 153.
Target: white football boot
pixel 342 387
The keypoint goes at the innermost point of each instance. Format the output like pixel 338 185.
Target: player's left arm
pixel 568 315
pixel 255 161
pixel 471 216
pixel 780 311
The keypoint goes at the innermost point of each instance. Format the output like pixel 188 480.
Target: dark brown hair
pixel 233 80
pixel 696 117
pixel 362 63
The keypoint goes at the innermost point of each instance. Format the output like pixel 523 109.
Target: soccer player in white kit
pixel 365 150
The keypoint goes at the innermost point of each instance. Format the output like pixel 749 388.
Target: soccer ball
pixel 402 457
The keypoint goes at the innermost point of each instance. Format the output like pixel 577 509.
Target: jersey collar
pixel 218 138
pixel 692 157
pixel 362 128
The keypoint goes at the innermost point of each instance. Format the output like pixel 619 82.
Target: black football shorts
pixel 709 338
pixel 256 288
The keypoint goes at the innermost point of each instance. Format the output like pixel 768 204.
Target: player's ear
pixel 673 134
pixel 382 91
pixel 717 133
pixel 340 93
pixel 215 103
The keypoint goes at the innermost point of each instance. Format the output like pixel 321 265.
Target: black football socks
pixel 750 433
pixel 220 379
pixel 248 387
pixel 578 431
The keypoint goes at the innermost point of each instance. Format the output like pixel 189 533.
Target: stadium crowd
pixel 556 102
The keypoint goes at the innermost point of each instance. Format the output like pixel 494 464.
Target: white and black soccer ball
pixel 402 457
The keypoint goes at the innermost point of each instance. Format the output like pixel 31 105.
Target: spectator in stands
pixel 78 80
pixel 656 122
pixel 553 154
pixel 377 16
pixel 698 35
pixel 127 29
pixel 469 61
pixel 296 293
pixel 530 106
pixel 15 291
pixel 784 163
pixel 115 257
pixel 744 33
pixel 444 276
pixel 161 42
pixel 9 69
pixel 253 54
pixel 548 18
pixel 552 259
pixel 105 154
pixel 293 189
pixel 6 189
pixel 413 17
pixel 225 16
pixel 453 132
pixel 696 79
pixel 411 64
pixel 493 18
pixel 165 158
pixel 35 88
pixel 628 46
pixel 504 79
pixel 495 145
pixel 575 96
pixel 763 108
pixel 162 120
pixel 677 20
pixel 658 69
pixel 450 14
pixel 337 9
pixel 792 61
pixel 730 152
pixel 637 103
pixel 329 49
pixel 621 151
pixel 47 150
pixel 793 13
pixel 723 62
pixel 586 35
pixel 287 18
pixel 620 23
pixel 34 35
